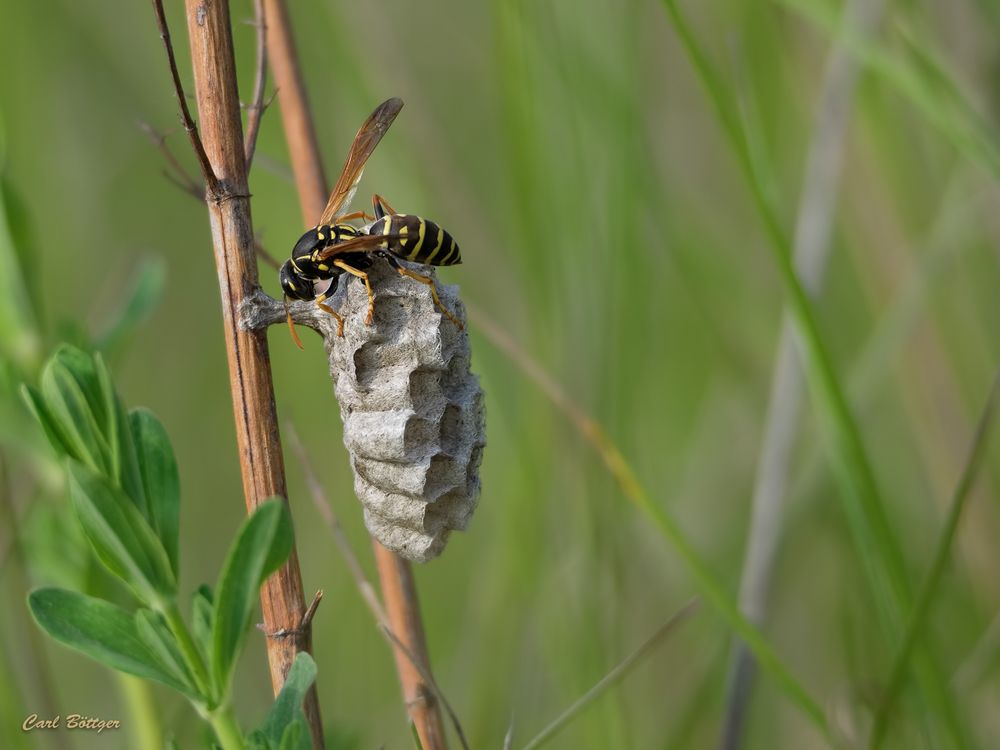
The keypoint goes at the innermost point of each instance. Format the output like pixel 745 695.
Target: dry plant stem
pixel 300 134
pixel 256 109
pixel 365 588
pixel 249 367
pixel 398 589
pixel 812 245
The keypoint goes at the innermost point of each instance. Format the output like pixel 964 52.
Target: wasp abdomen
pixel 420 240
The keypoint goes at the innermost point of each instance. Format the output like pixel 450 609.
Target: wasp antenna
pixel 291 325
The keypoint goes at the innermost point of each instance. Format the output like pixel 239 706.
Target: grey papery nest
pixel 413 412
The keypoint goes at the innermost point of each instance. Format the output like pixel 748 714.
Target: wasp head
pixel 293 284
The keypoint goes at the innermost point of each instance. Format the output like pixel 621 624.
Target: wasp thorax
pixel 308 242
pixel 413 413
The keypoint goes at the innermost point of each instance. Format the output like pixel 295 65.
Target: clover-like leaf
pixel 101 630
pixel 125 471
pixel 286 713
pixel 72 392
pixel 160 479
pixel 122 538
pixel 263 543
pixel 156 635
pixel 202 613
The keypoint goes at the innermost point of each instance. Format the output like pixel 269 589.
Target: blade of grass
pixel 817 207
pixel 709 584
pixel 880 553
pixel 942 551
pixel 923 80
pixel 617 673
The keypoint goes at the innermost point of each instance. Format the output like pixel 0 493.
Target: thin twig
pixel 180 176
pixel 265 256
pixel 613 459
pixel 811 251
pixel 221 153
pixel 256 109
pixel 364 586
pixel 612 677
pixel 186 183
pixel 211 180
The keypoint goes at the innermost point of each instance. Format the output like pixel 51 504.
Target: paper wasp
pixel 334 247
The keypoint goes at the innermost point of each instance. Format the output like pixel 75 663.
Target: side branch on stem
pixel 256 109
pixel 211 181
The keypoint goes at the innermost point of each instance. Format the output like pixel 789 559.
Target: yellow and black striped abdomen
pixel 420 241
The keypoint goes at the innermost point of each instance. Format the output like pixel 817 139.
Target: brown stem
pixel 300 134
pixel 257 435
pixel 398 587
pixel 399 591
pixel 256 109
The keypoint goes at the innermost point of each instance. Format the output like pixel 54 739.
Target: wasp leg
pixel 327 309
pixel 381 206
pixel 368 287
pixel 356 215
pixel 429 282
pixel 291 326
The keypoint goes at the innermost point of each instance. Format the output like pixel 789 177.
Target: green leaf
pixel 72 393
pixel 122 538
pixel 143 297
pixel 20 339
pixel 40 410
pixel 155 634
pixel 124 459
pixel 286 712
pixel 160 480
pixel 264 542
pixel 416 737
pixel 202 611
pixel 257 741
pixel 100 630
pixel 295 737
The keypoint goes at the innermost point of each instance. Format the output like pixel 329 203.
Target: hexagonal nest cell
pixel 413 412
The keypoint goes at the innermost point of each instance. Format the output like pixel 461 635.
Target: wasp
pixel 334 247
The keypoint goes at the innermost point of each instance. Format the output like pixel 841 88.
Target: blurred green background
pixel 606 225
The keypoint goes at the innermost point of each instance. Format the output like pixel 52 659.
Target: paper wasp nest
pixel 413 413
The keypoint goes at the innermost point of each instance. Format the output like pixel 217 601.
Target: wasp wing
pixel 365 141
pixel 356 245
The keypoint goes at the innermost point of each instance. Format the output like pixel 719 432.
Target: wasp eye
pixel 292 284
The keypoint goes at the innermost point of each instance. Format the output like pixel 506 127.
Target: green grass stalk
pixel 616 463
pixel 880 553
pixel 941 554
